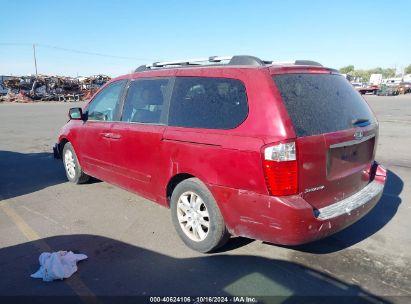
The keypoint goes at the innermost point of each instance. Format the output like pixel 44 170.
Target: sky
pixel 113 37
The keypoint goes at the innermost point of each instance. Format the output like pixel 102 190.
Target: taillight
pixel 280 168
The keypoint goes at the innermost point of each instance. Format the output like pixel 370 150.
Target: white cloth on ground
pixel 57 265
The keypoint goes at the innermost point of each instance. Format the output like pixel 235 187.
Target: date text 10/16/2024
pixel 208 299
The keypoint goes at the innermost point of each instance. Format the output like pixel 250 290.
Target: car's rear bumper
pixel 291 220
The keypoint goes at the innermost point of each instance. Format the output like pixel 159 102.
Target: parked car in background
pixel 357 84
pixel 386 90
pixel 280 152
pixel 392 81
pixel 364 88
pixel 404 88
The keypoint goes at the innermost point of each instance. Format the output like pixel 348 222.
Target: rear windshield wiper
pixel 360 122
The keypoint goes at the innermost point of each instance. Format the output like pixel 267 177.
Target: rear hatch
pixel 336 135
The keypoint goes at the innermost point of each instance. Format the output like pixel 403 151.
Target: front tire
pixel 196 216
pixel 72 166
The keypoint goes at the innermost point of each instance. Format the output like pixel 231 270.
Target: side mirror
pixel 76 113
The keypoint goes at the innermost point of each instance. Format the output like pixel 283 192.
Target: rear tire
pixel 72 166
pixel 196 216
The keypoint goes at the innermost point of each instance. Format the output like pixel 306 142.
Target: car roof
pixel 227 63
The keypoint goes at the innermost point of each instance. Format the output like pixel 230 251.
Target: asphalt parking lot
pixel 132 246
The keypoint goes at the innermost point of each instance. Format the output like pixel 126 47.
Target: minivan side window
pixel 104 105
pixel 210 103
pixel 144 101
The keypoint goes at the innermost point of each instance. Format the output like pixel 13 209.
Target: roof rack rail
pixel 187 62
pixel 232 60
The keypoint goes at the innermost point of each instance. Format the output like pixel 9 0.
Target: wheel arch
pixel 62 143
pixel 173 182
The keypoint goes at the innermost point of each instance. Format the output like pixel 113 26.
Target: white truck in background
pixel 407 78
pixel 375 79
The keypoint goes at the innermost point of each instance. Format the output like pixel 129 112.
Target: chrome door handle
pixel 111 135
pixel 106 135
pixel 115 136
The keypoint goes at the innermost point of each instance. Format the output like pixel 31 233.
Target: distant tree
pixel 389 72
pixel 377 71
pixel 364 75
pixel 408 69
pixel 347 69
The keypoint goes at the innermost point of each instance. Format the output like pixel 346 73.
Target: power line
pixel 90 53
pixel 76 51
pixel 18 43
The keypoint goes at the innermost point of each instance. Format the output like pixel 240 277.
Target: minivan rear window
pixel 321 103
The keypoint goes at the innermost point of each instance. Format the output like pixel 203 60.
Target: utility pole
pixel 35 60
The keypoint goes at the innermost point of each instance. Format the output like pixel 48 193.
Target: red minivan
pixel 280 152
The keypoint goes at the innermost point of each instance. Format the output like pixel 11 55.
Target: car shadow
pixel 114 268
pixel 234 243
pixel 23 173
pixel 374 221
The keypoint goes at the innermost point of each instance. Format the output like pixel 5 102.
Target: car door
pixel 137 141
pixel 94 140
